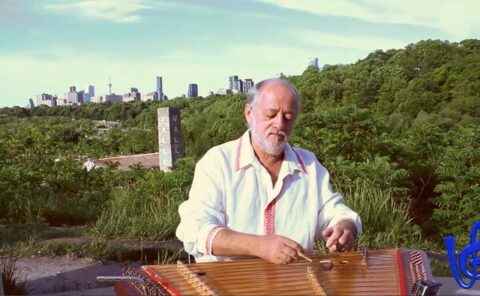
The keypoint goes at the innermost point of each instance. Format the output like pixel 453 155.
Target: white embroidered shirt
pixel 231 189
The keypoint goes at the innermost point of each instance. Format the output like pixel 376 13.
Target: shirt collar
pixel 244 156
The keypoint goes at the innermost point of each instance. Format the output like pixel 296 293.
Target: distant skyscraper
pixel 80 97
pixel 30 104
pixel 109 86
pixel 160 88
pixel 91 90
pixel 241 85
pixel 248 85
pixel 233 82
pixel 72 97
pixel 192 90
pixel 89 93
pixel 313 62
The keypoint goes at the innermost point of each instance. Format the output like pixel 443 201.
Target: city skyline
pixel 49 45
pixel 77 96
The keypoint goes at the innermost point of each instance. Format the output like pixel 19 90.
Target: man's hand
pixel 273 248
pixel 278 249
pixel 341 236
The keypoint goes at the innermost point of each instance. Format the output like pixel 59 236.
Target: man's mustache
pixel 277 133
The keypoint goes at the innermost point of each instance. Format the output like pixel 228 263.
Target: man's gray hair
pixel 253 94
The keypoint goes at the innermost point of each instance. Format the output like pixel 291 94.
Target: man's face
pixel 272 117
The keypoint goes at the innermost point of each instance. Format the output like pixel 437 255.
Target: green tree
pixel 459 186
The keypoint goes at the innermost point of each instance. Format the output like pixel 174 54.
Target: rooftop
pixel 148 160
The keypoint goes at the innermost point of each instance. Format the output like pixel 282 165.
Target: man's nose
pixel 279 121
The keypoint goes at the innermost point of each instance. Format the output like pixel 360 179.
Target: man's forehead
pixel 277 86
pixel 275 94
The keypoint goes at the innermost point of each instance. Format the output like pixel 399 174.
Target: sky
pixel 46 46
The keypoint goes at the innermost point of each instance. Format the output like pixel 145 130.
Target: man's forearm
pixel 273 248
pixel 232 243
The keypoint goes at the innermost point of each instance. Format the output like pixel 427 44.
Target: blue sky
pixel 49 45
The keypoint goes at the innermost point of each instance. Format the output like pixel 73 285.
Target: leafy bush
pixel 457 205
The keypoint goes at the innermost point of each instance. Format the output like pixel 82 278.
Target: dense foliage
pixel 399 130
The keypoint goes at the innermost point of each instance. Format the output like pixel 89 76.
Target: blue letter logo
pixel 468 259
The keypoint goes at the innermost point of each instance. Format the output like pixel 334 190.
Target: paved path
pixel 67 275
pixel 450 287
pixel 88 292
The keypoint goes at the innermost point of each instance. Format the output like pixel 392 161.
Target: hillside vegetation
pixel 399 131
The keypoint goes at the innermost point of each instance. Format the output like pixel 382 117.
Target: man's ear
pixel 247 109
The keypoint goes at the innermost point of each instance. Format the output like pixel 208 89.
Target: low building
pixel 97 99
pixel 151 96
pixel 148 160
pixel 133 95
pixel 113 98
pixel 224 91
pixel 45 99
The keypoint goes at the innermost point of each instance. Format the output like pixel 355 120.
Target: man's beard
pixel 265 145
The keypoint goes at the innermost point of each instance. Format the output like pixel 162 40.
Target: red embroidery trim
pixel 299 159
pixel 269 224
pixel 269 219
pixel 208 242
pixel 237 155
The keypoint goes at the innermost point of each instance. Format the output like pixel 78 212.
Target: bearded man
pixel 259 196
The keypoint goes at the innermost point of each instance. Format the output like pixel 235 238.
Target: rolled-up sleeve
pixel 202 216
pixel 331 209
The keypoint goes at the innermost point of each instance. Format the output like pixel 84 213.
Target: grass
pixel 386 223
pixel 13 281
pixel 62 232
pixel 10 234
pixel 40 240
pixel 134 214
pixel 98 249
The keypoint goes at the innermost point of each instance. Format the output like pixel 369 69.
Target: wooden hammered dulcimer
pixel 367 272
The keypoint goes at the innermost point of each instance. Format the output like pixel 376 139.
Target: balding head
pixel 254 93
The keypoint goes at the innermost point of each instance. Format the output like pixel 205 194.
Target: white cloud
pixel 14 13
pixel 458 19
pixel 110 10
